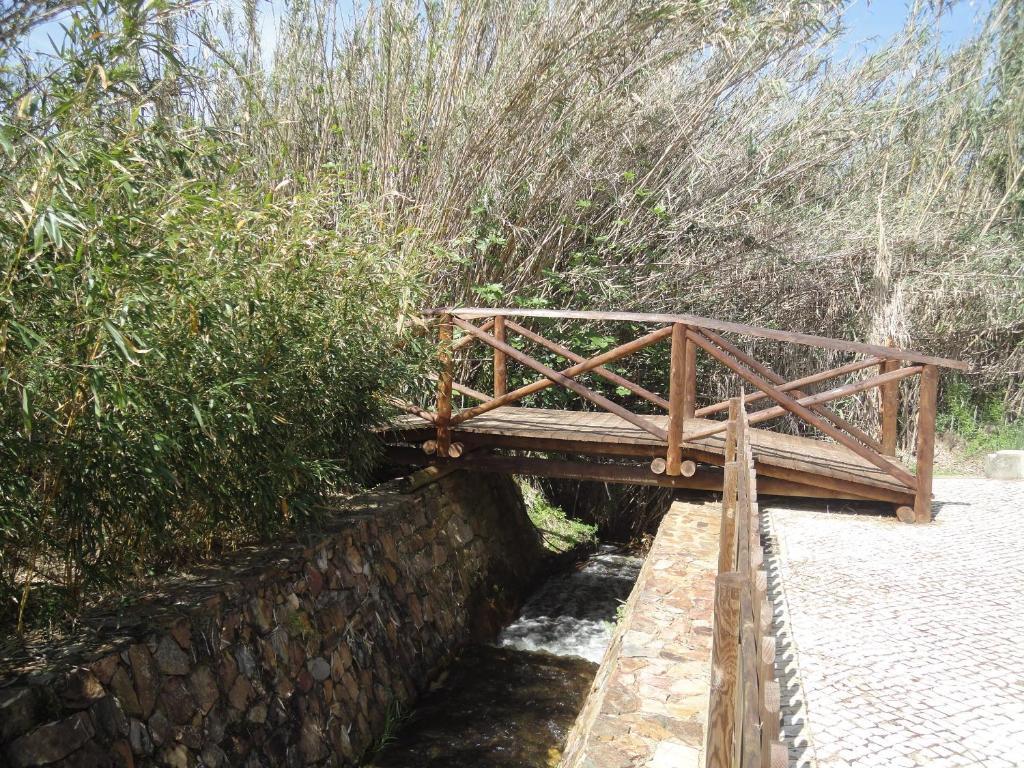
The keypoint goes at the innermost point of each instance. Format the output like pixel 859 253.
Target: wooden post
pixel 730 430
pixel 727 536
pixel 766 670
pixel 676 400
pixel 926 405
pixel 773 754
pixel 762 608
pixel 724 671
pixel 500 372
pixel 444 386
pixel 742 544
pixel 890 409
pixel 689 376
pixel 749 707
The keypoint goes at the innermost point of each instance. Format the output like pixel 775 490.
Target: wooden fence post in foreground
pixel 724 671
pixel 727 534
pixel 749 707
pixel 731 436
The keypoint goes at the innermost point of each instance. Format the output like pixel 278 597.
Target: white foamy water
pixel 573 614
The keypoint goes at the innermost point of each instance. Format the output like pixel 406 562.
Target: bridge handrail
pixel 824 342
pixel 684 429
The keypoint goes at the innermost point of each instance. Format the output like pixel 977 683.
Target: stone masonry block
pixel 1005 465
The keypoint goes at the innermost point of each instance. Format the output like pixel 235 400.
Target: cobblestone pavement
pixel 902 645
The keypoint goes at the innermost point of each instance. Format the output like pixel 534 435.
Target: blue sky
pixel 870 24
pixel 884 18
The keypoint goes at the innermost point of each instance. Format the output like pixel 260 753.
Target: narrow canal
pixel 512 703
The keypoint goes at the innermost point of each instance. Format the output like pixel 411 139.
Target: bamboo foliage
pixel 188 361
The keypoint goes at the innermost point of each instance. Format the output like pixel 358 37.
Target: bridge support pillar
pixel 679 378
pixel 926 406
pixel 444 386
pixel 890 408
pixel 500 365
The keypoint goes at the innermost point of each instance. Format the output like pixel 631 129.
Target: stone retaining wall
pixel 285 656
pixel 648 704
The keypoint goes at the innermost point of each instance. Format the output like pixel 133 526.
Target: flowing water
pixel 512 703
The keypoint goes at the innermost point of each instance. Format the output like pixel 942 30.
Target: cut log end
pixel 658 466
pixel 430 447
pixel 905 514
pixel 688 468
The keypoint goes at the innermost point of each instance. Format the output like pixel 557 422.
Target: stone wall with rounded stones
pixel 291 655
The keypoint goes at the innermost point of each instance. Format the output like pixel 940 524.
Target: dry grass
pixel 664 155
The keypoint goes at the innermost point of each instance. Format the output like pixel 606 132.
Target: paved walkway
pixel 902 645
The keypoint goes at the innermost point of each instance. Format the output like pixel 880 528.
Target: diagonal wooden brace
pixel 789 386
pixel 803 412
pixel 564 378
pixel 763 370
pixel 604 373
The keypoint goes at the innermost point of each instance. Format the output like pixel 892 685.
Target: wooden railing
pixel 743 715
pixel 688 334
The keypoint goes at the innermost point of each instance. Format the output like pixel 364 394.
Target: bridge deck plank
pixel 600 430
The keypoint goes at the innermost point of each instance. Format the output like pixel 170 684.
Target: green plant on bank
pixel 981 423
pixel 620 615
pixel 560 532
pixel 300 625
pixel 394 718
pixel 190 355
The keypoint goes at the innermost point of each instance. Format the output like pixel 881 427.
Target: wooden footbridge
pixel 684 444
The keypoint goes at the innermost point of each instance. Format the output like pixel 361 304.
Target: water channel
pixel 512 703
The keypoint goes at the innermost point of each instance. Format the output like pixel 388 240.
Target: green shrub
pixel 980 421
pixel 189 356
pixel 560 532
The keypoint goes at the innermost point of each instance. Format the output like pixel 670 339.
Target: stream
pixel 512 703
